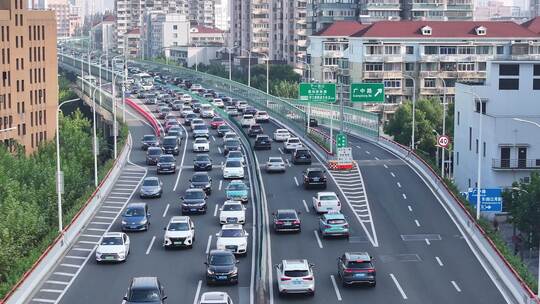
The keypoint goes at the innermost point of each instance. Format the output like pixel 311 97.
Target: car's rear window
pixel 286 215
pixel 154 152
pixel 315 173
pixel 150 182
pixel 359 265
pixel 169 141
pixel 296 273
pixel 336 221
pixel 144 295
pixel 149 137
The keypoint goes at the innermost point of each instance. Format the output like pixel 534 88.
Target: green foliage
pixel 286 89
pixel 64 89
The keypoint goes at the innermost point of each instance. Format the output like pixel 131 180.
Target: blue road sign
pixel 490 199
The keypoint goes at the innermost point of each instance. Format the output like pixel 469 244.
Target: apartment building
pixel 435 54
pixel 222 16
pixel 508 141
pixel 202 12
pixel 62 9
pixel 163 31
pixel 103 34
pixel 28 65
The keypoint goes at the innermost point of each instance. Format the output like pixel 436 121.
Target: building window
pixel 374 67
pixel 476 146
pixel 409 66
pixel 508 84
pixel 484 149
pixel 465 66
pixel 536 71
pixel 429 82
pixel 481 66
pixel 500 50
pixel 509 69
pixel 409 83
pixel 470 138
pixel 448 50
pixel 392 49
pixel 457 158
pixel 392 83
pixel 477 106
pixel 175 27
pixel 431 50
pixel 536 84
pixel 458 117
pixel 409 50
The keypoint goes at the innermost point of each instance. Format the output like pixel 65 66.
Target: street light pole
pixel 95 139
pixel 444 124
pixel 100 67
pixel 413 110
pixel 115 125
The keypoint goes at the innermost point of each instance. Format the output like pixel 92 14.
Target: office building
pixel 509 145
pixel 29 86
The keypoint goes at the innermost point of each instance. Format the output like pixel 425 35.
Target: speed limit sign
pixel 443 141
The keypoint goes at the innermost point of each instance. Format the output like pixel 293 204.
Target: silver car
pixel 275 164
pixel 151 187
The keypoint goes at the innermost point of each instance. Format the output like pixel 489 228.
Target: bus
pixel 145 81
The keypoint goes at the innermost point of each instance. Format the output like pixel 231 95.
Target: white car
pixel 291 144
pixel 262 116
pixel 232 212
pixel 229 135
pixel 248 120
pixel 295 276
pixel 113 247
pixel 185 111
pixel 186 97
pixel 326 201
pixel 232 237
pixel 201 145
pixel 275 164
pixel 281 135
pixel 242 105
pixel 180 232
pixel 207 111
pixel 233 169
pixel 215 297
pixel 196 87
pixel 196 121
pixel 219 103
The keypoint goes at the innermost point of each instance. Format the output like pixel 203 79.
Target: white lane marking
pixel 417 223
pixel 208 244
pixel 219 150
pixel 182 161
pixel 376 158
pixel 336 289
pixel 392 173
pixel 456 286
pixel 385 166
pixel 213 138
pixel 215 210
pixel 403 295
pixel 296 181
pixel 166 209
pixel 439 261
pixel 367 152
pixel 281 151
pixel 99 223
pixel 410 208
pixel 404 196
pixel 150 246
pixel 196 300
pixel 56 282
pixel 305 205
pixel 87 242
pixel 399 185
pixel 75 257
pixel 67 274
pixel 70 265
pixel 105 217
pixel 82 249
pixel 318 238
pixel 220 184
pixel 109 212
pixel 51 290
pixel 96 229
pixel 428 242
pixel 288 163
pixel 359 147
pixel 43 300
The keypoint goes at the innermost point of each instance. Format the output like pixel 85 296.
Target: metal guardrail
pixel 511 164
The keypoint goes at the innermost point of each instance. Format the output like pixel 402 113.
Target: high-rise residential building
pixel 63 13
pixel 222 16
pixel 37 4
pixel 202 12
pixel 103 34
pixel 29 86
pixel 163 31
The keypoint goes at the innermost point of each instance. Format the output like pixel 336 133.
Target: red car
pixel 216 122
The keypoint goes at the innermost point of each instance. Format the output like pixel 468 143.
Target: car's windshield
pixel 296 273
pixel 144 295
pixel 202 158
pixel 173 133
pixel 235 154
pixel 232 233
pixel 150 182
pixel 293 140
pixel 200 140
pixel 149 138
pixel 134 212
pixel 275 160
pixel 166 159
pixel 154 151
pixel 315 173
pixel 232 143
pixel 237 186
pixel 233 164
pixel 200 178
pixel 328 198
pixel 200 127
pixel 221 260
pixel 232 207
pixel 178 227
pixel 111 240
pixel 359 265
pixel 194 195
pixel 169 141
pixel 223 128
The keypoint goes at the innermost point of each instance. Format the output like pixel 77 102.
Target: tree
pixel 286 89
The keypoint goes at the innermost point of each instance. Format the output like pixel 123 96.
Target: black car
pixel 188 118
pixel 262 142
pixel 176 133
pixel 221 130
pixel 169 145
pixel 287 220
pixel 313 123
pixel 202 162
pixel 201 180
pixel 357 268
pixel 250 111
pixel 301 156
pixel 314 177
pixel 221 267
pixel 146 290
pixel 166 164
pixel 177 105
pixel 149 141
pixel 152 155
pixel 196 106
pixel 231 145
pixel 255 130
pixel 194 201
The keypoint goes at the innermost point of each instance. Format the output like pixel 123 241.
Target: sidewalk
pixel 528 256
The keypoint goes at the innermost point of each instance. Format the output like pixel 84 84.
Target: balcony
pixel 333 54
pixel 459 7
pixel 393 58
pixel 427 6
pixel 373 58
pixel 383 6
pixel 392 74
pixel 515 164
pixel 375 75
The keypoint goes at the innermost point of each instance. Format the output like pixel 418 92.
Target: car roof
pixel 200 139
pixel 220 252
pixel 136 205
pixel 295 264
pixel 112 234
pixel 358 256
pixel 282 130
pixel 214 296
pixel 315 169
pixel 326 193
pixel 231 226
pixel 194 190
pixel 144 282
pixel 154 148
pixel 169 137
pixel 232 202
pixel 334 216
pixel 151 178
pixel 201 173
pixel 275 157
pixel 179 219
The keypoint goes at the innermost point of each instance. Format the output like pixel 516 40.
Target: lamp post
pixel 443 124
pixel 267 71
pixel 332 69
pixel 413 110
pixel 95 139
pixel 309 103
pixel 59 174
pixel 100 66
pixel 115 127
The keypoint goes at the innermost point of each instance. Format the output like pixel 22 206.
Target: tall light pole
pixel 413 110
pixel 332 69
pixel 115 126
pixel 95 139
pixel 267 58
pixel 100 66
pixel 444 124
pixel 59 173
pixel 249 65
pixel 309 103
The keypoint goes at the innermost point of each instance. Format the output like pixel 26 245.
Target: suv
pixel 169 145
pixel 291 144
pixel 166 164
pixel 180 231
pixel 295 276
pixel 215 297
pixel 201 180
pixel 149 140
pixel 145 290
pixel 194 201
pixel 314 177
pixel 301 156
pixel 356 268
pixel 152 155
pixel 221 267
pixel 287 220
pixel 202 162
pixel 231 145
pixel 255 130
pixel 262 142
pixel 221 130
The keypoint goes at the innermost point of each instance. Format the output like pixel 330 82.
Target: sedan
pixel 231 145
pixel 262 116
pixel 201 180
pixel 333 224
pixel 281 135
pixel 233 169
pixel 216 122
pixel 113 247
pixel 287 220
pixel 194 201
pixel 202 162
pixel 149 140
pixel 151 187
pixel 232 237
pixel 237 190
pixel 201 144
pixel 326 201
pixel 236 155
pixel 136 217
pixel 232 212
pixel 222 129
pixel 255 130
pixel 275 164
pixel 262 142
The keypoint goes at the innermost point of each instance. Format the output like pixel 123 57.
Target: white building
pixel 189 56
pixel 103 34
pixel 222 14
pixel 202 35
pixel 162 31
pixel 510 141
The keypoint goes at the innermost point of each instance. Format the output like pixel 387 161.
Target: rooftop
pixel 205 30
pixel 342 28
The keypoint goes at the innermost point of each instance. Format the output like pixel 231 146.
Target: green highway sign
pixel 341 140
pixel 317 92
pixel 367 92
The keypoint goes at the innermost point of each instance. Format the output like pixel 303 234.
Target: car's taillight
pixel 308 278
pixel 279 222
pixel 319 204
pixel 296 222
pixel 339 204
pixel 371 270
pixel 327 226
pixel 285 279
pixel 346 226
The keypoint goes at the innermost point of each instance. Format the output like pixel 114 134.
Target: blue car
pixel 333 224
pixel 136 217
pixel 237 190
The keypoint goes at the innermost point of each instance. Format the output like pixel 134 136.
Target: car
pixel 200 130
pixel 176 132
pixel 173 123
pixel 169 145
pixel 229 135
pixel 281 135
pixel 301 156
pixel 196 106
pixel 237 190
pixel 314 177
pixel 188 118
pixel 216 122
pixel 222 129
pixel 201 144
pixel 201 180
pixel 250 110
pixel 136 217
pixel 295 276
pixel 185 111
pixel 357 268
pixel 236 155
pixel 254 130
pixel 247 120
pixel 186 97
pixel 233 169
pixel 287 220
pixel 152 155
pixel 291 144
pixel 166 164
pixel 113 247
pixel 151 187
pixel 262 116
pixel 177 105
pixel 196 121
pixel 196 87
pixel 221 267
pixel 241 106
pixel 275 164
pixel 333 224
pixel 207 111
pixel 326 201
pixel 163 111
pixel 149 140
pixel 232 111
pixel 202 162
pixel 232 212
pixel 231 145
pixel 146 290
pixel 232 237
pixel 194 201
pixel 180 232
pixel 313 123
pixel 214 100
pixel 262 142
pixel 219 103
pixel 215 297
